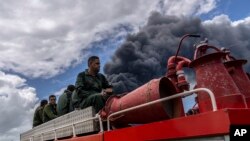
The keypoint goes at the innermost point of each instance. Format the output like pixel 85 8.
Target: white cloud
pixel 217 20
pixel 245 21
pixel 42 38
pixel 224 19
pixel 17 102
pixel 188 7
pixel 230 34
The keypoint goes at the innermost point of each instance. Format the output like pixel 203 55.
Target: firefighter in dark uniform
pixel 49 111
pixel 92 88
pixel 38 115
pixel 64 101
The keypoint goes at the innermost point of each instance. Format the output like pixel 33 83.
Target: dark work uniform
pixel 38 116
pixel 88 91
pixel 64 102
pixel 49 112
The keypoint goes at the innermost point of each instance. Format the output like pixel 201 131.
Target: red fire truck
pixel 155 110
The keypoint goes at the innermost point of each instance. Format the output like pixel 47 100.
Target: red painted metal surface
pixel 240 77
pixel 239 116
pixel 212 74
pixel 172 75
pixel 201 125
pixel 95 137
pixel 182 82
pixel 176 74
pixel 153 90
pixel 205 124
pixel 248 75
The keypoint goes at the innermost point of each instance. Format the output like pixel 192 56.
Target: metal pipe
pixel 204 49
pixel 209 92
pixel 73 129
pixel 183 37
pixel 55 134
pixel 100 122
pixel 42 137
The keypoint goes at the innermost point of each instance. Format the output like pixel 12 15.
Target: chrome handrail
pixel 209 92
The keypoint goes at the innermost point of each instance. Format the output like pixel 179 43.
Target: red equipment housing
pixel 212 74
pixel 240 77
pixel 153 90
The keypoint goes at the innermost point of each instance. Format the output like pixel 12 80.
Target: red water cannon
pixel 153 90
pixel 211 73
pixel 173 83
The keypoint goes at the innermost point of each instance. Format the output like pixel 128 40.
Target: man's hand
pixel 109 90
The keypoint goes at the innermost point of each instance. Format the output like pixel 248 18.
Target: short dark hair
pixel 51 96
pixel 71 88
pixel 91 59
pixel 44 102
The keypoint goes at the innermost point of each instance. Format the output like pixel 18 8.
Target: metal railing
pixel 73 127
pixel 209 92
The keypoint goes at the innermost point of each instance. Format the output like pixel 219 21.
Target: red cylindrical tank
pixel 212 74
pixel 240 78
pixel 153 90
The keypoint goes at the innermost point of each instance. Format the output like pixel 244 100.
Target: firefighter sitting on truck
pixel 92 88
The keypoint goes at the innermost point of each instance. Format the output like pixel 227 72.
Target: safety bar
pixel 73 127
pixel 210 93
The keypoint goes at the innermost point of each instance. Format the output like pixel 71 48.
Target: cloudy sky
pixel 44 44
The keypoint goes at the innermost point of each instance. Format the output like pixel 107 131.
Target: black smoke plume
pixel 143 56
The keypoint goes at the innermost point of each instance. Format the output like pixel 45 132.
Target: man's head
pixel 94 64
pixel 71 88
pixel 52 99
pixel 43 102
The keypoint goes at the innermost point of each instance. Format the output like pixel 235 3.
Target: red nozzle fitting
pixel 182 82
pixel 176 73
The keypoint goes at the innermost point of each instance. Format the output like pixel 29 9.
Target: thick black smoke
pixel 143 56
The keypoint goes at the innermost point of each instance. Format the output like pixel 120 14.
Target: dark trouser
pixel 95 100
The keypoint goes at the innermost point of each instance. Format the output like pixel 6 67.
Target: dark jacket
pixel 49 112
pixel 87 85
pixel 64 102
pixel 38 116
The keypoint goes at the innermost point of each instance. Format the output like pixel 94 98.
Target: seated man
pixel 64 101
pixel 49 111
pixel 38 115
pixel 92 88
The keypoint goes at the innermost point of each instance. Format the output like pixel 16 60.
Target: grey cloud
pixel 42 38
pixel 36 36
pixel 143 55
